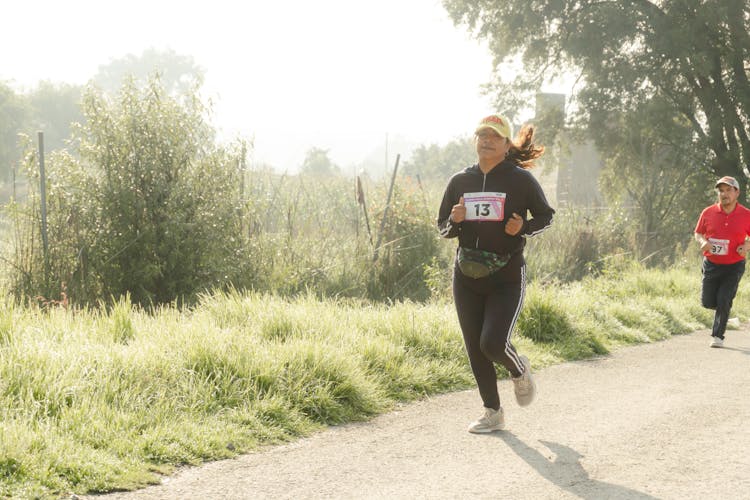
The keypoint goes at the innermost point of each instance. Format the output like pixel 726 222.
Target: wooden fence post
pixel 385 212
pixel 43 194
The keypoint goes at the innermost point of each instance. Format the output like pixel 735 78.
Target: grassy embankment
pixel 96 401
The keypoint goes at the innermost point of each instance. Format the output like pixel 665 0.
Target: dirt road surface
pixel 669 420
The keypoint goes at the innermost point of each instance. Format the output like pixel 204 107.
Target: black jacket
pixel 523 195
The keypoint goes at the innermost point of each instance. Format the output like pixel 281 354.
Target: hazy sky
pixel 335 74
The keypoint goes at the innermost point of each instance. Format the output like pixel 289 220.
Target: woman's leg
pixel 470 307
pixel 501 312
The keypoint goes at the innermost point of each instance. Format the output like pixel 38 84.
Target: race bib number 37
pixel 485 206
pixel 719 247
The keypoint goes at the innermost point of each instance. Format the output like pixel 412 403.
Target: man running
pixel 722 232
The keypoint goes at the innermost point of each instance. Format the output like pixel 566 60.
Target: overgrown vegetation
pixel 150 206
pixel 96 399
pixel 148 209
pixel 146 203
pixel 309 234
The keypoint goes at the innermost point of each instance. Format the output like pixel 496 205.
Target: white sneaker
pixel 525 387
pixel 717 342
pixel 492 420
pixel 734 322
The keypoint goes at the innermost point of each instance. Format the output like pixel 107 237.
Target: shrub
pixel 152 207
pixel 408 243
pixel 542 320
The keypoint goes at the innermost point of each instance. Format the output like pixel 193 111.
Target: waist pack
pixel 476 263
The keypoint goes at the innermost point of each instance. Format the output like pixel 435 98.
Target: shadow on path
pixel 738 349
pixel 566 471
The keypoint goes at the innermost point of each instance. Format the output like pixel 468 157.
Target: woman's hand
pixel 458 212
pixel 514 225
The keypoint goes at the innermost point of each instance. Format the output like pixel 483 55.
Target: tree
pixel 150 207
pixel 317 162
pixel 652 167
pixel 50 108
pixel 178 74
pixel 437 163
pixel 692 54
pixel 55 107
pixel 14 118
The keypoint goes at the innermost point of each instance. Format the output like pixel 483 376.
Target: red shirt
pixel 725 232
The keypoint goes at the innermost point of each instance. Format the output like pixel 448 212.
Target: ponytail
pixel 522 150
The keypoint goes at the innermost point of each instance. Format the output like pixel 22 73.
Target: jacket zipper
pixel 484 182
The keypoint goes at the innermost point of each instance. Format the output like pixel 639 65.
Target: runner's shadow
pixel 738 349
pixel 566 471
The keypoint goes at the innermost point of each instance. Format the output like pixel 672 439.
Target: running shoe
pixel 717 342
pixel 525 387
pixel 492 420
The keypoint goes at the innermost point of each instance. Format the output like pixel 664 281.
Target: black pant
pixel 487 312
pixel 720 282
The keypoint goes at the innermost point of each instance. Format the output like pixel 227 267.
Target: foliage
pixel 543 320
pixel 408 241
pixel 693 55
pixel 652 167
pixel 14 117
pixel 155 209
pixel 24 253
pixel 577 244
pixel 166 199
pixel 55 108
pixel 303 234
pixel 318 163
pixel 310 234
pixel 152 207
pixel 49 108
pixel 433 162
pixel 179 74
pixel 584 243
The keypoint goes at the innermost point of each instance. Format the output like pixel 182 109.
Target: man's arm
pixel 744 247
pixel 703 242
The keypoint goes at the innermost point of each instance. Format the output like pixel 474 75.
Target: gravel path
pixel 668 420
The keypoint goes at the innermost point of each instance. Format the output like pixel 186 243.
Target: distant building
pixel 569 171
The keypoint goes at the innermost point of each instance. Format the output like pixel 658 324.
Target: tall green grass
pixel 100 399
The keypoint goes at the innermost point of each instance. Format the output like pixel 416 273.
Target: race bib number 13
pixel 485 206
